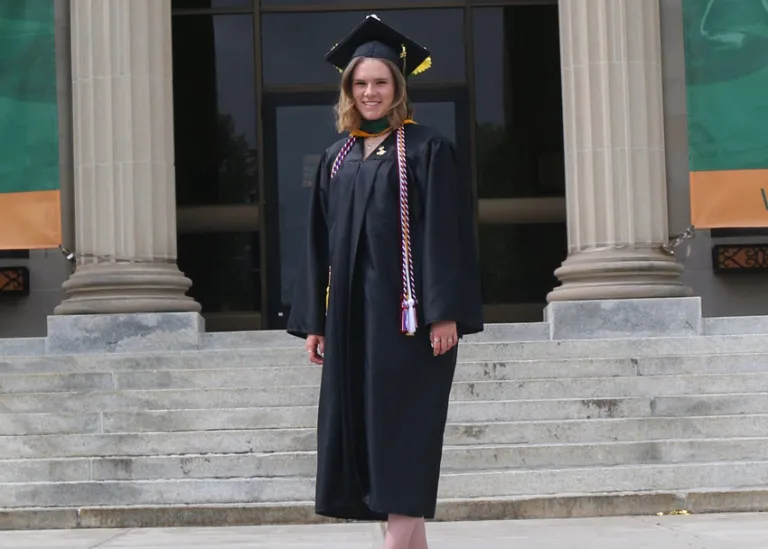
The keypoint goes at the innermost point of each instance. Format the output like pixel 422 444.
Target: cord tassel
pixel 408 316
pixel 409 301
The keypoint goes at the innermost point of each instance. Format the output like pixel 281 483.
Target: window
pixel 288 61
pixel 519 133
pixel 215 118
pixel 224 268
pixel 214 109
pixel 518 262
pixel 518 102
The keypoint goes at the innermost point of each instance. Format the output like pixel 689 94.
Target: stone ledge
pixel 22 346
pixel 537 507
pixel 736 325
pixel 509 332
pixel 124 333
pixel 625 318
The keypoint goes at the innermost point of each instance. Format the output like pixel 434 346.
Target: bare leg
pixel 399 532
pixel 419 537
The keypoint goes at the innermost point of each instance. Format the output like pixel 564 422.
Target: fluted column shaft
pixel 616 191
pixel 125 203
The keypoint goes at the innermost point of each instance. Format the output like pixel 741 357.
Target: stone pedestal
pixel 614 153
pixel 124 333
pixel 125 200
pixel 624 318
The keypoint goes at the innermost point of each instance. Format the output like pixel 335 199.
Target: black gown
pixel 384 396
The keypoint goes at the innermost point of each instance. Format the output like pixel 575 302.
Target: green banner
pixel 29 150
pixel 726 61
pixel 30 202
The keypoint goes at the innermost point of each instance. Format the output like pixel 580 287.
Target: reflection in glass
pixel 518 261
pixel 290 61
pixel 207 4
pixel 519 146
pixel 438 115
pixel 519 113
pixel 297 161
pixel 224 268
pixel 214 109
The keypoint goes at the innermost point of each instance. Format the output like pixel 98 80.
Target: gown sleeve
pixel 451 278
pixel 307 316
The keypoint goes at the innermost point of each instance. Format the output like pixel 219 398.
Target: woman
pixel 388 285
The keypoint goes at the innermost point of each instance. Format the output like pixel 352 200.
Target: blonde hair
pixel 348 118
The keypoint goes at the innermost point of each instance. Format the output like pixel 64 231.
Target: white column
pixel 616 190
pixel 125 203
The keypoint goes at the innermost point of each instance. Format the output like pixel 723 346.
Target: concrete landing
pixel 745 531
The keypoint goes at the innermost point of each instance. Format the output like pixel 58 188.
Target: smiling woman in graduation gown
pixel 384 394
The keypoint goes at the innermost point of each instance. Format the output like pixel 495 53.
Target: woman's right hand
pixel 315 346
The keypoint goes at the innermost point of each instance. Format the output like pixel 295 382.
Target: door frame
pixel 274 314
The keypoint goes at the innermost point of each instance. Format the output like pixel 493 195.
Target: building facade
pixel 190 130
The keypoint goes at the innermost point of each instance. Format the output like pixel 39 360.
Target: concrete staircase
pixel 537 428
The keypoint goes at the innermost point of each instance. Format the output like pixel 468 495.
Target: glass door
pixel 298 127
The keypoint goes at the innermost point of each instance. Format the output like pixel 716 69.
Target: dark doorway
pixel 291 164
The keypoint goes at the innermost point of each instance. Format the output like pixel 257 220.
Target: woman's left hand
pixel 443 336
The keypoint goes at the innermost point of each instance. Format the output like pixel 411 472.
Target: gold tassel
pixel 425 66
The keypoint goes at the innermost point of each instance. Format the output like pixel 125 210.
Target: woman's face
pixel 373 88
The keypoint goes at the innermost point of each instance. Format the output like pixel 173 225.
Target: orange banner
pixel 729 198
pixel 30 220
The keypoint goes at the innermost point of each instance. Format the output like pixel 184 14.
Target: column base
pixel 619 273
pixel 113 288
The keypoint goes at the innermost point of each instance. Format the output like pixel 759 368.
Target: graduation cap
pixel 372 38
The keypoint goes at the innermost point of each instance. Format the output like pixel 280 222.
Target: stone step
pixel 535 380
pixel 248 384
pixel 465 411
pixel 598 504
pixel 215 404
pixel 177 374
pixel 569 370
pixel 538 396
pixel 18 346
pixel 88 372
pixel 190 370
pixel 259 355
pixel 478 413
pixel 486 484
pixel 502 332
pixel 455 459
pixel 500 345
pixel 495 332
pixel 233 434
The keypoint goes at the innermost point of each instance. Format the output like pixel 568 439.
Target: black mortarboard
pixel 372 38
